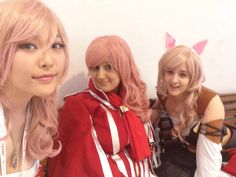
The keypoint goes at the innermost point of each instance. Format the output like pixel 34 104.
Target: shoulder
pixel 214 109
pixel 80 101
pixel 74 100
pixel 77 97
pixel 75 106
pixel 206 95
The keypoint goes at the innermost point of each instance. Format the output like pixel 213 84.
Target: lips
pixel 45 77
pixel 174 86
pixel 103 82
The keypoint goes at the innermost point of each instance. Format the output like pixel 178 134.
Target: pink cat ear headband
pixel 198 47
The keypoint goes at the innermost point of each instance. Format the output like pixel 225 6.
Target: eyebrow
pixel 169 68
pixel 58 36
pixel 183 71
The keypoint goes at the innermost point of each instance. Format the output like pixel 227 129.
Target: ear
pixel 170 41
pixel 199 47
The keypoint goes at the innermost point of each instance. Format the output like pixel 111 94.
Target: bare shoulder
pixel 214 110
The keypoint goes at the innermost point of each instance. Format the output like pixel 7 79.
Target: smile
pixel 47 77
pixel 103 83
pixel 173 86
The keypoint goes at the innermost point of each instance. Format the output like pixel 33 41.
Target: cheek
pixel 186 82
pixel 61 63
pixel 92 75
pixel 117 82
pixel 166 78
pixel 117 78
pixel 19 70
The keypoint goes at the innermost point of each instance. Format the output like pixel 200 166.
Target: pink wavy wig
pixel 132 89
pixel 21 20
pixel 173 58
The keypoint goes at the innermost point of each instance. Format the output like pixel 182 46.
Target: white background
pixel 143 24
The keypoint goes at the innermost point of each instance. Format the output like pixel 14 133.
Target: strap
pixel 214 130
pixel 165 125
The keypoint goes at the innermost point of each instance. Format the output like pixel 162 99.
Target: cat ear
pixel 170 41
pixel 199 47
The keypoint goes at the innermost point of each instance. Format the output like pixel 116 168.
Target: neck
pixel 18 109
pixel 17 98
pixel 179 98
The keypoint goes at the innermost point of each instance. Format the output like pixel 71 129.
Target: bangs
pixel 110 48
pixel 30 20
pixel 96 54
pixel 176 61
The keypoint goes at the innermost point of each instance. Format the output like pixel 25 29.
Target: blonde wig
pixel 173 58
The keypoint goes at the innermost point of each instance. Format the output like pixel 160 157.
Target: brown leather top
pixel 203 100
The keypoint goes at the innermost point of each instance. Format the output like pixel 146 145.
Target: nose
pixel 101 74
pixel 46 60
pixel 174 78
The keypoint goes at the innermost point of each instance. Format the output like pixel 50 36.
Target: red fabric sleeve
pixel 79 157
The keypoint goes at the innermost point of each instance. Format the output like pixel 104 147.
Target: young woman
pixel 191 118
pixel 102 128
pixel 33 61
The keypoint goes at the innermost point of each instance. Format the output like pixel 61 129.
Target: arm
pixel 78 156
pixel 208 154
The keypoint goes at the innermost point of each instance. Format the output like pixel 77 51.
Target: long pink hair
pixel 173 58
pixel 21 20
pixel 132 89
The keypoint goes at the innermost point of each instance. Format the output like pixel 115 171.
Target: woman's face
pixel 177 80
pixel 37 67
pixel 105 77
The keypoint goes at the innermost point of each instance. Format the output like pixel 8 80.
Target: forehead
pixel 102 61
pixel 47 36
pixel 180 67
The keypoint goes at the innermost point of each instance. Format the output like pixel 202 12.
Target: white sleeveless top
pixel 3 132
pixel 32 172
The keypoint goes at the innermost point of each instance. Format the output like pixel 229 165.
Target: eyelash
pixel 183 75
pixel 58 44
pixel 169 72
pixel 30 46
pixel 27 46
pixel 107 67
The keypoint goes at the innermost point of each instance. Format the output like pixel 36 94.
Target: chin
pixel 174 93
pixel 46 92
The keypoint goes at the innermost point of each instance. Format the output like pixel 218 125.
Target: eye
pixel 108 67
pixel 169 72
pixel 27 46
pixel 183 75
pixel 94 68
pixel 58 46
